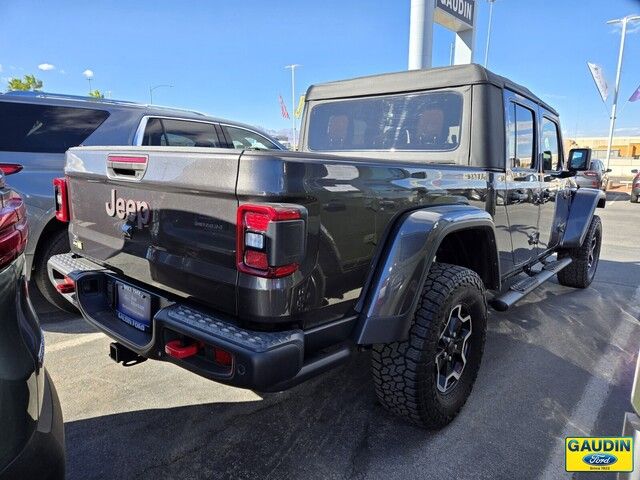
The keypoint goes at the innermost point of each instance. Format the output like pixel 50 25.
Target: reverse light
pixel 10 168
pixel 61 199
pixel 270 240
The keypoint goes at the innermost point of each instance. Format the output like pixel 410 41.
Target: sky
pixel 227 58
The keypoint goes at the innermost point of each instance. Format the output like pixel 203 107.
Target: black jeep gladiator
pixel 418 198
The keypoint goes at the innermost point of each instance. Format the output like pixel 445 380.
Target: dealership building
pixel 623 147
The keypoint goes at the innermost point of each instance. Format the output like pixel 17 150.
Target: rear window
pixel 425 122
pixel 180 133
pixel 45 128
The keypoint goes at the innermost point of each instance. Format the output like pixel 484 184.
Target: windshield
pixel 425 121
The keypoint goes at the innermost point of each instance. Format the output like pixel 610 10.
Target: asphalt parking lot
pixel 559 364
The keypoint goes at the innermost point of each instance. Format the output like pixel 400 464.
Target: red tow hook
pixel 176 349
pixel 67 286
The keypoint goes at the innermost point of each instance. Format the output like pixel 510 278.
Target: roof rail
pixel 81 98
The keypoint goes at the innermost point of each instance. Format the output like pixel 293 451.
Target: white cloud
pixel 88 73
pixel 62 71
pixel 45 67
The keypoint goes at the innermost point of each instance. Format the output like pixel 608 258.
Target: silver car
pixel 596 177
pixel 37 128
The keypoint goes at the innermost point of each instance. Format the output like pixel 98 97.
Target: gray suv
pixel 37 129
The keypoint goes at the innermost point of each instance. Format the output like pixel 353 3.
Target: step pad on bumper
pixel 255 341
pixel 62 265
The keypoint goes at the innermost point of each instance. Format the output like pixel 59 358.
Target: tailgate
pixel 164 216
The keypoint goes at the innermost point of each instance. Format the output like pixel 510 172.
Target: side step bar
pixel 524 287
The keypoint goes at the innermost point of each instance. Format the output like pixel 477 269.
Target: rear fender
pixel 394 291
pixel 583 205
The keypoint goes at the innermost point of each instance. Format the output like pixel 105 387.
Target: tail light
pixel 270 240
pixel 590 173
pixel 61 199
pixel 13 228
pixel 10 168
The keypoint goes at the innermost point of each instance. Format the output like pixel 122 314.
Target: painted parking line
pixel 585 413
pixel 74 342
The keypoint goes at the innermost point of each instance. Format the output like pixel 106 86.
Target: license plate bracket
pixel 133 306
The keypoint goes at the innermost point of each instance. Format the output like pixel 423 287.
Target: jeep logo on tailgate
pixel 131 209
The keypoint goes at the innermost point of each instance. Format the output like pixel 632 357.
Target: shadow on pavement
pixel 332 427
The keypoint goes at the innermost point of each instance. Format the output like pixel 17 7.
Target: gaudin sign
pixel 462 10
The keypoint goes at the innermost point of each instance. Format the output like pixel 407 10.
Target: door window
pixel 180 133
pixel 521 137
pixel 551 159
pixel 246 139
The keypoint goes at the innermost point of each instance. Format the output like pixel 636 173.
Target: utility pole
pixel 624 21
pixel 293 100
pixel 486 50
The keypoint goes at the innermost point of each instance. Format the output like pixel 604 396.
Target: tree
pixel 96 94
pixel 30 82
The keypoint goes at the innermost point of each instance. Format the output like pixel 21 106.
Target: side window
pixel 521 137
pixel 551 159
pixel 180 133
pixel 45 128
pixel 245 139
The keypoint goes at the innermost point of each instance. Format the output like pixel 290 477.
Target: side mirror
pixel 579 159
pixel 608 170
pixel 635 170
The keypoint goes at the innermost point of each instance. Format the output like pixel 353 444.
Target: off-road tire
pixel 580 273
pixel 634 198
pixel 404 373
pixel 55 244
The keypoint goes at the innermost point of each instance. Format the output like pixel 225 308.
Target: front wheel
pixel 585 258
pixel 428 377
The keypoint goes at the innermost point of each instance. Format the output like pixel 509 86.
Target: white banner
pixel 601 82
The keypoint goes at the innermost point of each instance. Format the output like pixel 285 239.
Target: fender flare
pixel 583 205
pixel 394 290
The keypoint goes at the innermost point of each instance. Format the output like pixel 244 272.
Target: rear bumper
pixel 262 361
pixel 43 456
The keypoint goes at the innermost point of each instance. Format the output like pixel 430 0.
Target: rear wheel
pixel 57 243
pixel 582 270
pixel 634 198
pixel 428 377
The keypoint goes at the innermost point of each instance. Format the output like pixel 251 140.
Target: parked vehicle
pixel 32 440
pixel 597 176
pixel 37 128
pixel 271 267
pixel 635 186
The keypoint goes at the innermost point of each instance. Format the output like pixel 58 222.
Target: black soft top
pixel 418 80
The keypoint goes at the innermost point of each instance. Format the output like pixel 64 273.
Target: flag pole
pixel 293 99
pixel 614 107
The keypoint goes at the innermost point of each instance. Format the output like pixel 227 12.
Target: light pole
pixel 486 50
pixel 293 99
pixel 151 89
pixel 614 107
pixel 88 74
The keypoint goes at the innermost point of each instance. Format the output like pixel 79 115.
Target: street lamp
pixel 88 74
pixel 624 21
pixel 486 50
pixel 293 99
pixel 151 89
